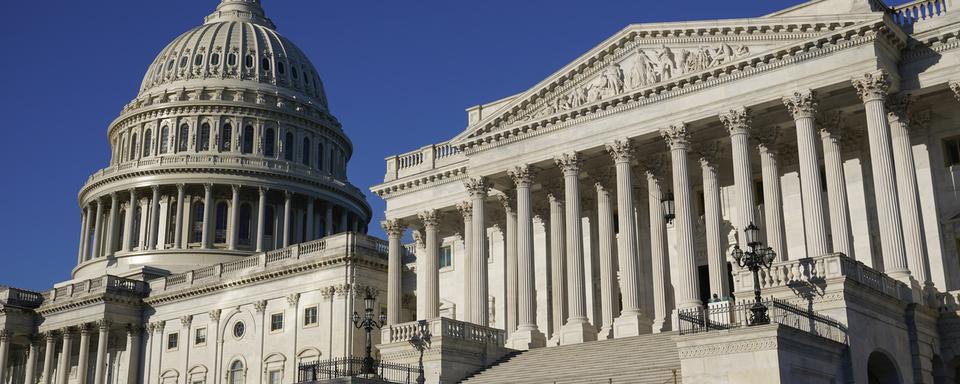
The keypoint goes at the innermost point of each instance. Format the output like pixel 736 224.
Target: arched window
pixel 147 141
pixel 247 140
pixel 232 59
pixel 170 65
pixel 134 145
pixel 237 373
pixel 288 147
pixel 198 60
pixel 164 139
pixel 280 67
pixel 248 61
pixel 320 156
pixel 226 134
pixel 183 138
pixel 221 232
pixel 197 223
pixel 215 59
pixel 306 152
pixel 203 139
pixel 183 61
pixel 265 64
pixel 296 75
pixel 245 215
pixel 171 222
pixel 270 143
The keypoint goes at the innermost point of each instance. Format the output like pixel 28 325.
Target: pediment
pixel 647 57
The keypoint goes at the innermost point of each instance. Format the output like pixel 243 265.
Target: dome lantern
pixel 248 11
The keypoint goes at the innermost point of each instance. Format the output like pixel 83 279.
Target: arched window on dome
pixel 226 136
pixel 197 227
pixel 270 143
pixel 265 64
pixel 203 139
pixel 232 59
pixel 147 142
pixel 281 68
pixel 183 61
pixel 171 222
pixel 293 71
pixel 164 139
pixel 183 138
pixel 305 155
pixel 246 213
pixel 198 60
pixel 170 65
pixel 288 147
pixel 248 61
pixel 220 235
pixel 247 140
pixel 134 147
pixel 237 374
pixel 320 156
pixel 215 59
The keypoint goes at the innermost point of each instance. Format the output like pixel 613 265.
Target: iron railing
pixel 698 320
pixel 353 367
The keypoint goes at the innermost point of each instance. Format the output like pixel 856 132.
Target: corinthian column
pixel 111 243
pixel 914 244
pixel 477 188
pixel 287 219
pixel 394 230
pixel 510 240
pixel 558 261
pixel 527 334
pixel 872 88
pixel 738 122
pixel 32 354
pixel 659 258
pixel 577 328
pixel 97 227
pixel 606 250
pixel 773 201
pixel 802 105
pixel 686 292
pixel 51 339
pixel 85 330
pixel 101 361
pixel 5 339
pixel 178 224
pixel 716 258
pixel 431 268
pixel 466 211
pixel 84 225
pixel 261 218
pixel 631 321
pixel 836 184
pixel 234 217
pixel 133 352
pixel 154 224
pixel 205 237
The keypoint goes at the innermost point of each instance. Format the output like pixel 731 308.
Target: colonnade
pixel 207 216
pixel 891 161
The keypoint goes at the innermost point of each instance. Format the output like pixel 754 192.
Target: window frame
pixel 449 266
pixel 173 341
pixel 316 316
pixel 196 337
pixel 282 322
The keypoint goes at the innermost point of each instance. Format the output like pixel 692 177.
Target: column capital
pixel 6 335
pixel 181 187
pixel 621 150
pixel 51 336
pixel 898 107
pixel 708 153
pixel 260 306
pixel 466 209
pixel 67 333
pixel 155 188
pixel 955 87
pixel 185 321
pixel 830 125
pixel 767 138
pixel 207 187
pixel 215 314
pixel 155 327
pixel 293 299
pixel 86 328
pixel 134 329
pixel 235 188
pixel 569 163
pixel 737 121
pixel 393 227
pixel 263 190
pixel 872 85
pixel 113 196
pixel 523 175
pixel 801 104
pixel 430 218
pixel 104 324
pixel 508 203
pixel 477 186
pixel 677 136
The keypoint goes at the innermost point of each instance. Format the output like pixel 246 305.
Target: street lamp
pixel 757 257
pixel 367 322
pixel 421 341
pixel 669 207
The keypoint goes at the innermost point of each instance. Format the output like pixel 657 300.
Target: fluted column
pixel 466 211
pixel 477 188
pixel 716 257
pixel 906 171
pixel 309 219
pixel 101 361
pixel 154 218
pixel 394 230
pixel 30 376
pixel 773 200
pixel 234 217
pixel 873 88
pixel 608 270
pixel 129 238
pixel 287 217
pixel 6 337
pixel 178 224
pixel 84 359
pixel 527 334
pixel 111 243
pixel 97 227
pixel 803 105
pixel 205 237
pixel 631 321
pixel 686 291
pixel 64 369
pixel 343 219
pixel 84 224
pixel 261 218
pixel 133 352
pixel 48 353
pixel 328 219
pixel 836 186
pixel 431 267
pixel 558 261
pixel 510 261
pixel 577 328
pixel 738 123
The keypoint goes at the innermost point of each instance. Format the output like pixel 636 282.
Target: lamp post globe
pixel 758 257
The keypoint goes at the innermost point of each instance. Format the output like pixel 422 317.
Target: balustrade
pixel 919 11
pixel 424 159
pixel 444 328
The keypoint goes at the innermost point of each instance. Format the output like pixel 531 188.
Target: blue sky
pixel 398 74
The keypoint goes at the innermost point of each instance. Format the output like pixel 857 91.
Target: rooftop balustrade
pixel 16 297
pixel 424 159
pixel 96 286
pixel 918 11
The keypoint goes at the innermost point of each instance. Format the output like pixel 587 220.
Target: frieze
pixel 727 348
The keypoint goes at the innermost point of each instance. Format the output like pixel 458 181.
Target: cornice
pixel 923 47
pixel 415 183
pixel 103 298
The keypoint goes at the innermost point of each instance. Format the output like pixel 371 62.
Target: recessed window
pixel 183 138
pixel 203 141
pixel 248 61
pixel 310 316
pixel 296 75
pixel 274 376
pixel 270 143
pixel 265 64
pixel 446 256
pixel 237 374
pixel 170 64
pixel 238 329
pixel 164 139
pixel 232 59
pixel 305 154
pixel 215 59
pixel 183 61
pixel 288 146
pixel 247 147
pixel 200 336
pixel 276 322
pixel 173 340
pixel 225 137
pixel 951 151
pixel 280 67
pixel 198 60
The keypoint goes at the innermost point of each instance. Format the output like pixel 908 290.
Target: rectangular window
pixel 274 377
pixel 172 340
pixel 951 151
pixel 310 316
pixel 276 322
pixel 200 336
pixel 446 256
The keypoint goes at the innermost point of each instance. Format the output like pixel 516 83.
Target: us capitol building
pixel 763 200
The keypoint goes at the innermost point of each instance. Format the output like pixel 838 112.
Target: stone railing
pixel 443 328
pixel 816 270
pixel 347 243
pixel 918 11
pixel 424 159
pixel 102 284
pixel 20 298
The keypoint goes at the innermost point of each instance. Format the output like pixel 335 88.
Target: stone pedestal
pixel 631 325
pixel 577 332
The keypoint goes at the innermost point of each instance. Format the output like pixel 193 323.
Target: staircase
pixel 647 359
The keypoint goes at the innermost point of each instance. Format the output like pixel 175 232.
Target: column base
pixel 663 325
pixel 577 331
pixel 606 333
pixel 526 339
pixel 628 325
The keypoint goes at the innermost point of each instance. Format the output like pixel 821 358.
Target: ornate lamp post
pixel 757 257
pixel 669 207
pixel 367 322
pixel 421 341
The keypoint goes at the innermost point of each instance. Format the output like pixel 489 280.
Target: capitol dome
pixel 227 150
